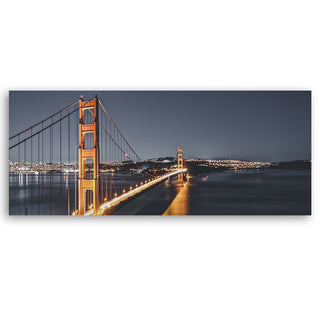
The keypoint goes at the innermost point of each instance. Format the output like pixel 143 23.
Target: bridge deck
pixel 125 196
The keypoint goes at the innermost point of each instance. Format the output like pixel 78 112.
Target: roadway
pixel 153 201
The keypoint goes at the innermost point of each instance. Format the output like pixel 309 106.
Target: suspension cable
pixel 43 129
pixel 111 137
pixel 113 140
pixel 104 109
pixel 44 120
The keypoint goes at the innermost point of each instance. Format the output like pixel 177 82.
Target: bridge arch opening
pixel 88 140
pixel 89 199
pixel 88 168
pixel 88 117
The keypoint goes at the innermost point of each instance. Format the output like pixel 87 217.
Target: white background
pixel 159 267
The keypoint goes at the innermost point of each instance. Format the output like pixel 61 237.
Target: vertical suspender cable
pixel 68 162
pixel 106 148
pixel 111 182
pixel 60 167
pixel 24 185
pixel 43 173
pixel 75 161
pixel 31 175
pixel 19 149
pixel 50 153
pixel 19 176
pixel 38 173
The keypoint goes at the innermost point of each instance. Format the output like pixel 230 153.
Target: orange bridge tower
pixel 86 152
pixel 180 164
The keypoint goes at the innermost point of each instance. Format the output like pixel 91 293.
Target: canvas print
pixel 84 153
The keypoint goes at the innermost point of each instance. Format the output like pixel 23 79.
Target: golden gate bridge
pixel 81 143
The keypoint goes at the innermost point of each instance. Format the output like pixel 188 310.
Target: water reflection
pixel 56 193
pixel 20 179
pixel 246 192
pixel 180 205
pixel 230 192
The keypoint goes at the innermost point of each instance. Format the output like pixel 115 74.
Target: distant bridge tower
pixel 84 153
pixel 180 164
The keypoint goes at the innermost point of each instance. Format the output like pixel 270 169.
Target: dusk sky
pixel 247 125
